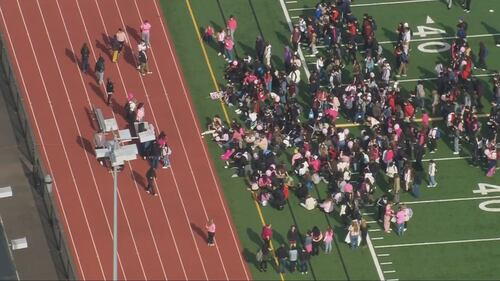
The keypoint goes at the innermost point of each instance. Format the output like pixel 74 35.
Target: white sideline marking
pixel 383 255
pixel 386 263
pixel 439 243
pixel 429 20
pixel 290 26
pixel 372 4
pixel 377 238
pixel 451 200
pixel 374 258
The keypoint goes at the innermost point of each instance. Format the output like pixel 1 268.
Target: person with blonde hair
pixel 210 226
pixel 354 233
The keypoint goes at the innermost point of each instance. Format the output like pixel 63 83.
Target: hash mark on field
pixel 374 230
pixel 383 255
pixel 392 280
pixel 367 214
pixel 291 2
pixel 452 200
pixel 439 243
pixel 377 238
pixel 389 271
pixel 371 222
pixel 386 263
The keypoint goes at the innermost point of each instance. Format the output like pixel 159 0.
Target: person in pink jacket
pixel 328 238
pixel 211 232
pixel 232 24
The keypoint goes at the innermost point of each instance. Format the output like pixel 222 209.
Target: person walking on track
pixel 121 38
pixel 145 31
pixel 99 69
pixel 110 89
pixel 143 63
pixel 85 53
pixel 151 176
pixel 210 226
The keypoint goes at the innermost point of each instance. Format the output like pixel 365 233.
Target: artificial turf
pixel 432 222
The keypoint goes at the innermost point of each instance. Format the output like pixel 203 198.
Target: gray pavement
pixel 23 213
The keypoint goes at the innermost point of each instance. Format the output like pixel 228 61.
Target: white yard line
pixel 445 159
pixel 438 243
pixel 374 258
pixel 373 4
pixel 290 26
pixel 451 200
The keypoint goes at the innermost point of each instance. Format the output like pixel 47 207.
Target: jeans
pixel 416 190
pixel 154 161
pixel 303 266
pixel 328 247
pixel 282 265
pixel 400 228
pixel 145 38
pixel 85 64
pixel 229 54
pixel 292 265
pixel 165 160
pixel 456 144
pixel 432 181
pixel 100 76
pixel 354 241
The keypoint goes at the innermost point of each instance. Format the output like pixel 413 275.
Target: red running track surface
pixel 159 237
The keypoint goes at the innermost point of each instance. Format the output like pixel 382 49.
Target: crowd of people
pixel 353 80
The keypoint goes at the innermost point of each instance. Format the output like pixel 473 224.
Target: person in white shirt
pixel 432 174
pixel 310 203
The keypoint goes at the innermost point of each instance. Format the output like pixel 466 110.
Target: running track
pixel 159 237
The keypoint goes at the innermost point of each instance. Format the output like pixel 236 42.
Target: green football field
pixel 455 231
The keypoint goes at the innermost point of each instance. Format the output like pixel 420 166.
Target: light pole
pixel 118 155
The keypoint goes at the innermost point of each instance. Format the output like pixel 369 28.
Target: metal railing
pixel 42 181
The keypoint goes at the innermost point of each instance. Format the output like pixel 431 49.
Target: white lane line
pixel 438 243
pixel 389 271
pixel 372 4
pixel 383 255
pixel 451 200
pixel 290 26
pixel 377 238
pixel 182 143
pixel 386 263
pixel 374 258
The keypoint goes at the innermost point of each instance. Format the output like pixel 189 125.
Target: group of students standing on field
pixel 278 118
pixel 156 151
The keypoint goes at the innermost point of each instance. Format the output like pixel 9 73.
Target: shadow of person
pixel 196 229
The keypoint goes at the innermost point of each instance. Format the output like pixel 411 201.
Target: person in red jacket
pixel 267 235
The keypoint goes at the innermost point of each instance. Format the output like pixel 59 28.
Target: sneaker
pixel 219 54
pixel 467 11
pixel 405 229
pixel 429 185
pixel 435 185
pixel 234 176
pixel 149 192
pixel 455 152
pixel 149 72
pixel 397 75
pixel 432 151
pixel 404 75
pixel 156 194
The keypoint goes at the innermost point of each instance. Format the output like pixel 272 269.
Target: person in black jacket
pixel 151 176
pixel 99 69
pixel 304 258
pixel 282 255
pixel 155 155
pixel 85 53
pixel 110 89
